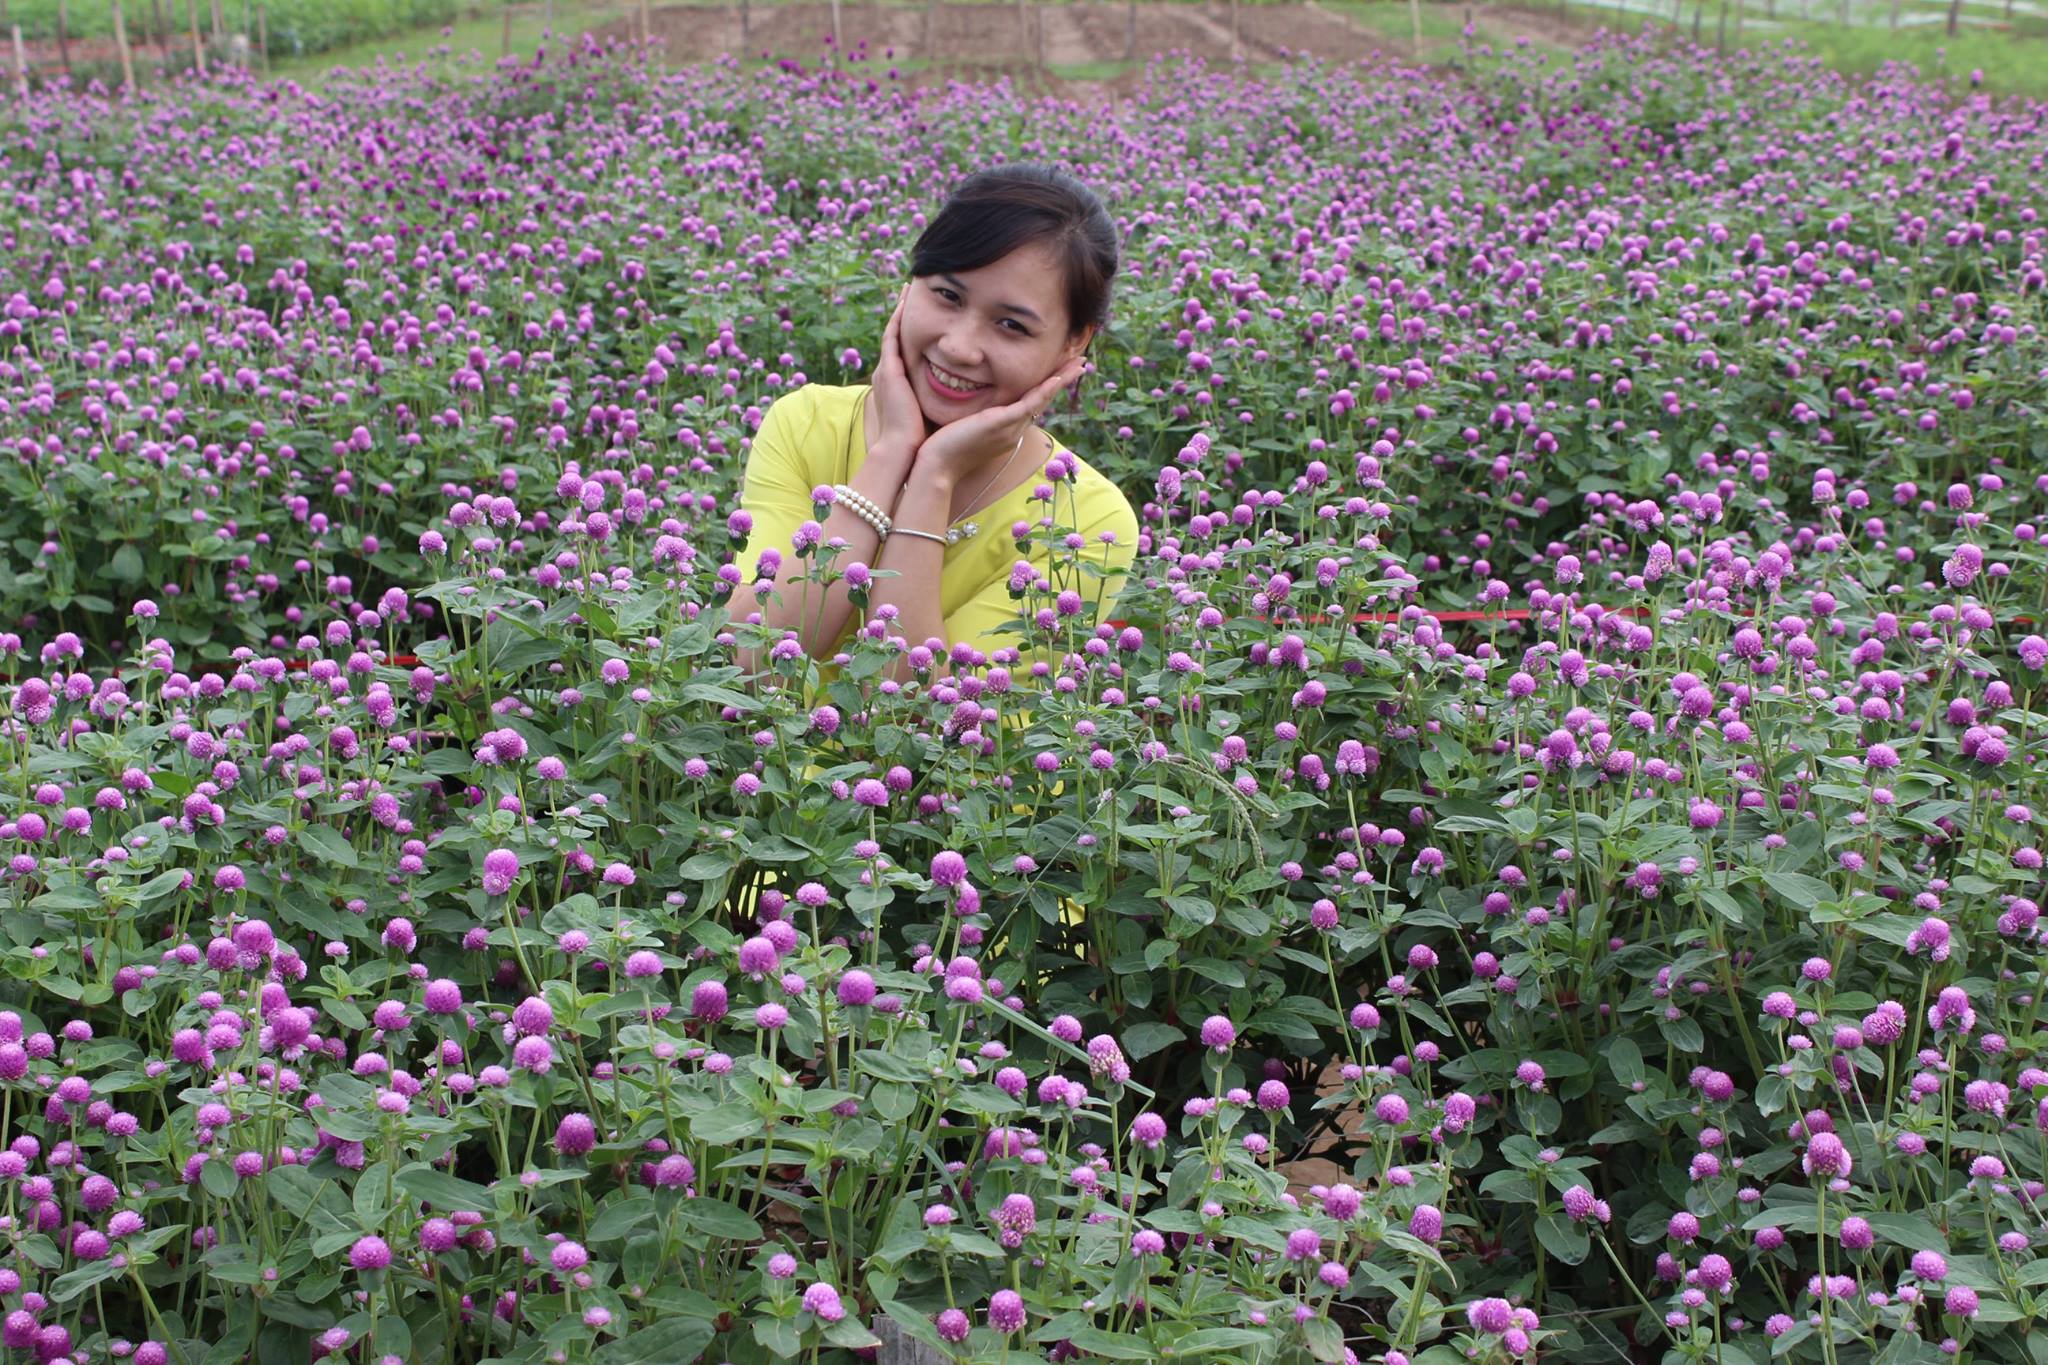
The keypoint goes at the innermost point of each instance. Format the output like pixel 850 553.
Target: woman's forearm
pixel 919 565
pixel 819 616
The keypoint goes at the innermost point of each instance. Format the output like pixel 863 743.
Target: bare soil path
pixel 948 41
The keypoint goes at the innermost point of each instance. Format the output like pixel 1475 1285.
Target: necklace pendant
pixel 966 530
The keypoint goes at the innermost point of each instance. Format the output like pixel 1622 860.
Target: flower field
pixel 1569 732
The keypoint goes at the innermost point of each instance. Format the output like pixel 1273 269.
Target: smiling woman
pixel 932 463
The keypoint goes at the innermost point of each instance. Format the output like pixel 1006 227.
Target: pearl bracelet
pixel 863 507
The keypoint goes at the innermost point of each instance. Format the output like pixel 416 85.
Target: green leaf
pixel 619 1219
pixel 446 1192
pixel 1142 1040
pixel 1908 1230
pixel 723 1127
pixel 717 1218
pixel 1803 891
pixel 893 1101
pixel 1117 1345
pixel 670 1339
pixel 327 845
pixel 779 1337
pixel 1325 1339
pixel 1562 1238
pixel 75 1282
pixel 1203 1343
pixel 849 1333
pixel 371 1201
pixel 218 1177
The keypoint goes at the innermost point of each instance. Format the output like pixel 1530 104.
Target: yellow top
pixel 814 435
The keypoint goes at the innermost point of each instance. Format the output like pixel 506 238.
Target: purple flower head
pixel 823 1300
pixel 369 1253
pixel 1006 1311
pixel 1825 1157
pixel 856 988
pixel 501 869
pixel 1426 1223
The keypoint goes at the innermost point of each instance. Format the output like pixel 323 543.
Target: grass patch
pixel 1443 25
pixel 484 34
pixel 2012 60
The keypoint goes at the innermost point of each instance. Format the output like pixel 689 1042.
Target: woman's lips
pixel 940 387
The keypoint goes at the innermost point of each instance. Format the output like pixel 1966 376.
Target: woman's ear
pixel 1078 346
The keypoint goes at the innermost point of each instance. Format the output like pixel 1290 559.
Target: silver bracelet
pixel 927 535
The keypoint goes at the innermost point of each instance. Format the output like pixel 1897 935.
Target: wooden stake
pixel 63 40
pixel 548 24
pixel 220 25
pixel 263 38
pixel 646 22
pixel 1955 14
pixel 198 48
pixel 162 37
pixel 20 64
pixel 835 31
pixel 121 45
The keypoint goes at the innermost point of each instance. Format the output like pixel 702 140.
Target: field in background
pixel 1069 46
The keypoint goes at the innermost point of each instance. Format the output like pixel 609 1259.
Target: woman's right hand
pixel 901 417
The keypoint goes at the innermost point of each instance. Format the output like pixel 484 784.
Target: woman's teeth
pixel 945 381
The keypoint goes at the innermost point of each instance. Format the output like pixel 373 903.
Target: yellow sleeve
pixel 776 489
pixel 1103 509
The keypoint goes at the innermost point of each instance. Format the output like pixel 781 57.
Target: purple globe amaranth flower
pixel 1426 1223
pixel 822 1300
pixel 856 988
pixel 575 1135
pixel 501 869
pixel 1492 1316
pixel 709 1001
pixel 1218 1033
pixel 369 1253
pixel 1106 1060
pixel 1015 1218
pixel 1826 1157
pixel 1006 1311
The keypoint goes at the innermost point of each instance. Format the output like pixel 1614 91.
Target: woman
pixel 936 459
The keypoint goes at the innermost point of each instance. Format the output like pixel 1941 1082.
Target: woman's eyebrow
pixel 1017 308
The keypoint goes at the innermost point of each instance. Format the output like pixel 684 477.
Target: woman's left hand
pixel 976 445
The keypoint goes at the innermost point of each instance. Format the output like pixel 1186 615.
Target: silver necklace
pixel 967 530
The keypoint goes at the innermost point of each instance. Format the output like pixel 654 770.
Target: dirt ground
pixel 963 40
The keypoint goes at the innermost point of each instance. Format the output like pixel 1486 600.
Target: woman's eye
pixel 1022 330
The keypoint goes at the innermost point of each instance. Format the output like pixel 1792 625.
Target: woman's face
pixel 1001 329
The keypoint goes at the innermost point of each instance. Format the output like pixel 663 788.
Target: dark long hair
pixel 993 212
